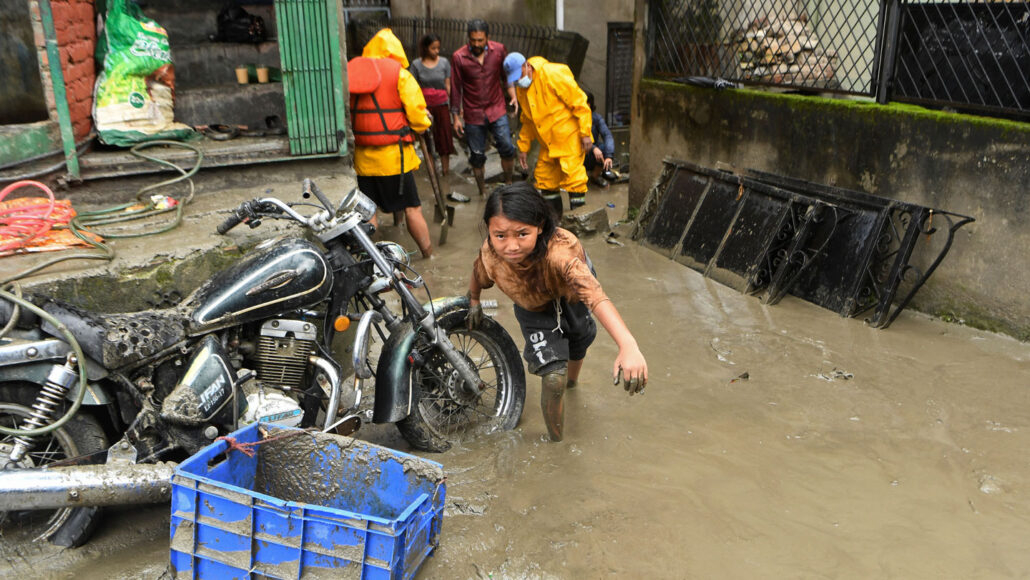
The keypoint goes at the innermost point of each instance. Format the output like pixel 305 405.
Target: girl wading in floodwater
pixel 545 271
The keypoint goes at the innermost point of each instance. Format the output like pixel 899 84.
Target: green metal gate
pixel 310 46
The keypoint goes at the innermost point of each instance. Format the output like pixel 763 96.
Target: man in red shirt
pixel 478 104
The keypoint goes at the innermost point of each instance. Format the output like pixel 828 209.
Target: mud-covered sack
pixel 133 99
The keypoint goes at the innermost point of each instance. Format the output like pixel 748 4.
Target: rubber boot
pixel 553 198
pixel 552 403
pixel 577 200
pixel 480 180
pixel 507 165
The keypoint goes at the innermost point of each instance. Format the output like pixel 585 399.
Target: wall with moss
pixel 966 164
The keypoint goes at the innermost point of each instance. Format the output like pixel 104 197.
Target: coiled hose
pixel 82 224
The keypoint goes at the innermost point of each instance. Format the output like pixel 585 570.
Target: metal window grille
pixel 619 94
pixel 818 44
pixel 964 54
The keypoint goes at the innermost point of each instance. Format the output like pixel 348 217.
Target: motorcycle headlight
pixel 359 203
pixel 395 252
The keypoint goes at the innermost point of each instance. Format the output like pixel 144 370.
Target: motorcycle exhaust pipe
pixel 85 485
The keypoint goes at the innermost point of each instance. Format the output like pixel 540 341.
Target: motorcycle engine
pixel 283 351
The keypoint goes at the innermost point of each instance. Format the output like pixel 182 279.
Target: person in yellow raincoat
pixel 554 111
pixel 387 107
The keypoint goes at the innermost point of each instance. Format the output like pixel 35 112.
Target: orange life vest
pixel 377 112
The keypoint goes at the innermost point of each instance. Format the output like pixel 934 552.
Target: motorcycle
pixel 254 343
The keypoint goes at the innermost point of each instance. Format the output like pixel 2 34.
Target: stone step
pixel 230 104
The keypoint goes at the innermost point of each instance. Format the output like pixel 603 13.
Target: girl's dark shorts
pixel 549 349
pixel 385 190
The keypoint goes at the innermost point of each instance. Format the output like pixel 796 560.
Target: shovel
pixel 444 214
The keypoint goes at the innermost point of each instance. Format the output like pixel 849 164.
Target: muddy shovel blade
pixel 438 214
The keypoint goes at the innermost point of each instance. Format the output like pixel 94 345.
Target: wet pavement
pixel 771 442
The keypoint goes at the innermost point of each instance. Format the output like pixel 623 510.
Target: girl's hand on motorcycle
pixel 631 369
pixel 475 316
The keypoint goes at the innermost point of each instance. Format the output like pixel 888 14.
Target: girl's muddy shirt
pixel 562 272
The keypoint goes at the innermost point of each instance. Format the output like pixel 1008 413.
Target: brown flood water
pixel 848 452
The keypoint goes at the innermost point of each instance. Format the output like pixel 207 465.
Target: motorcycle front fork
pixel 51 397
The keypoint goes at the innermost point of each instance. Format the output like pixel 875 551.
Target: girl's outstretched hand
pixel 631 369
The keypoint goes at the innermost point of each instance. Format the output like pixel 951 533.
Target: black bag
pixel 237 25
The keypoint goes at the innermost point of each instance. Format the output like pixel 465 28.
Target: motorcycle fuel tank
pixel 277 277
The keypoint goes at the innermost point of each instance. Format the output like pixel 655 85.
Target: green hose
pixel 82 370
pixel 85 220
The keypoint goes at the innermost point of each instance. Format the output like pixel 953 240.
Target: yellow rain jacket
pixel 386 159
pixel 554 110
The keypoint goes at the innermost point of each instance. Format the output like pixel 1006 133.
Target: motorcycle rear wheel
pixel 441 413
pixel 69 527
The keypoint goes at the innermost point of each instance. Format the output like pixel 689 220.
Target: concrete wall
pixel 964 164
pixel 587 17
pixel 21 93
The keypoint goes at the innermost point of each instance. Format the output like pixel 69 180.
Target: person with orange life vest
pixel 387 108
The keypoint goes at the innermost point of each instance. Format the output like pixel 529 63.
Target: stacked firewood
pixel 784 51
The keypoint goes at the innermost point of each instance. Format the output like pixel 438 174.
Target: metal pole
pixel 559 14
pixel 88 485
pixel 64 120
pixel 890 32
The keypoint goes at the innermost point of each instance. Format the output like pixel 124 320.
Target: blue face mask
pixel 524 82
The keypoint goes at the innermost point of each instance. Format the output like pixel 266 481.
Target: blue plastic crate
pixel 309 505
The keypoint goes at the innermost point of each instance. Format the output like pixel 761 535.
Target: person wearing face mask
pixel 479 99
pixel 556 114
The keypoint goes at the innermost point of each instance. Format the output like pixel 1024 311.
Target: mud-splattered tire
pixel 441 414
pixel 69 527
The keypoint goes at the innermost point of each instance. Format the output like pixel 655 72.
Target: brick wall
pixel 75 23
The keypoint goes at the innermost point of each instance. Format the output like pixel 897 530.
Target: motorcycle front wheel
pixel 442 413
pixel 69 527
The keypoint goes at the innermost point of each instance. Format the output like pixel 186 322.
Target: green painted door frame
pixel 311 45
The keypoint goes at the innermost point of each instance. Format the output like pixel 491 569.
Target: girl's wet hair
pixel 521 202
pixel 427 40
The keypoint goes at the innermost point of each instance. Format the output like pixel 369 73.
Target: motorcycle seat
pixel 118 340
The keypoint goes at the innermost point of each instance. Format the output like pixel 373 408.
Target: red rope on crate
pixel 247 448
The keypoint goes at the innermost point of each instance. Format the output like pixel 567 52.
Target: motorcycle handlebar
pixel 234 219
pixel 311 189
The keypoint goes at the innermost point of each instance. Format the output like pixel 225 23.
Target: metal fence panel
pixel 619 85
pixel 553 44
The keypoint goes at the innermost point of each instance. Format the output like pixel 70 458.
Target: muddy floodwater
pixel 771 442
